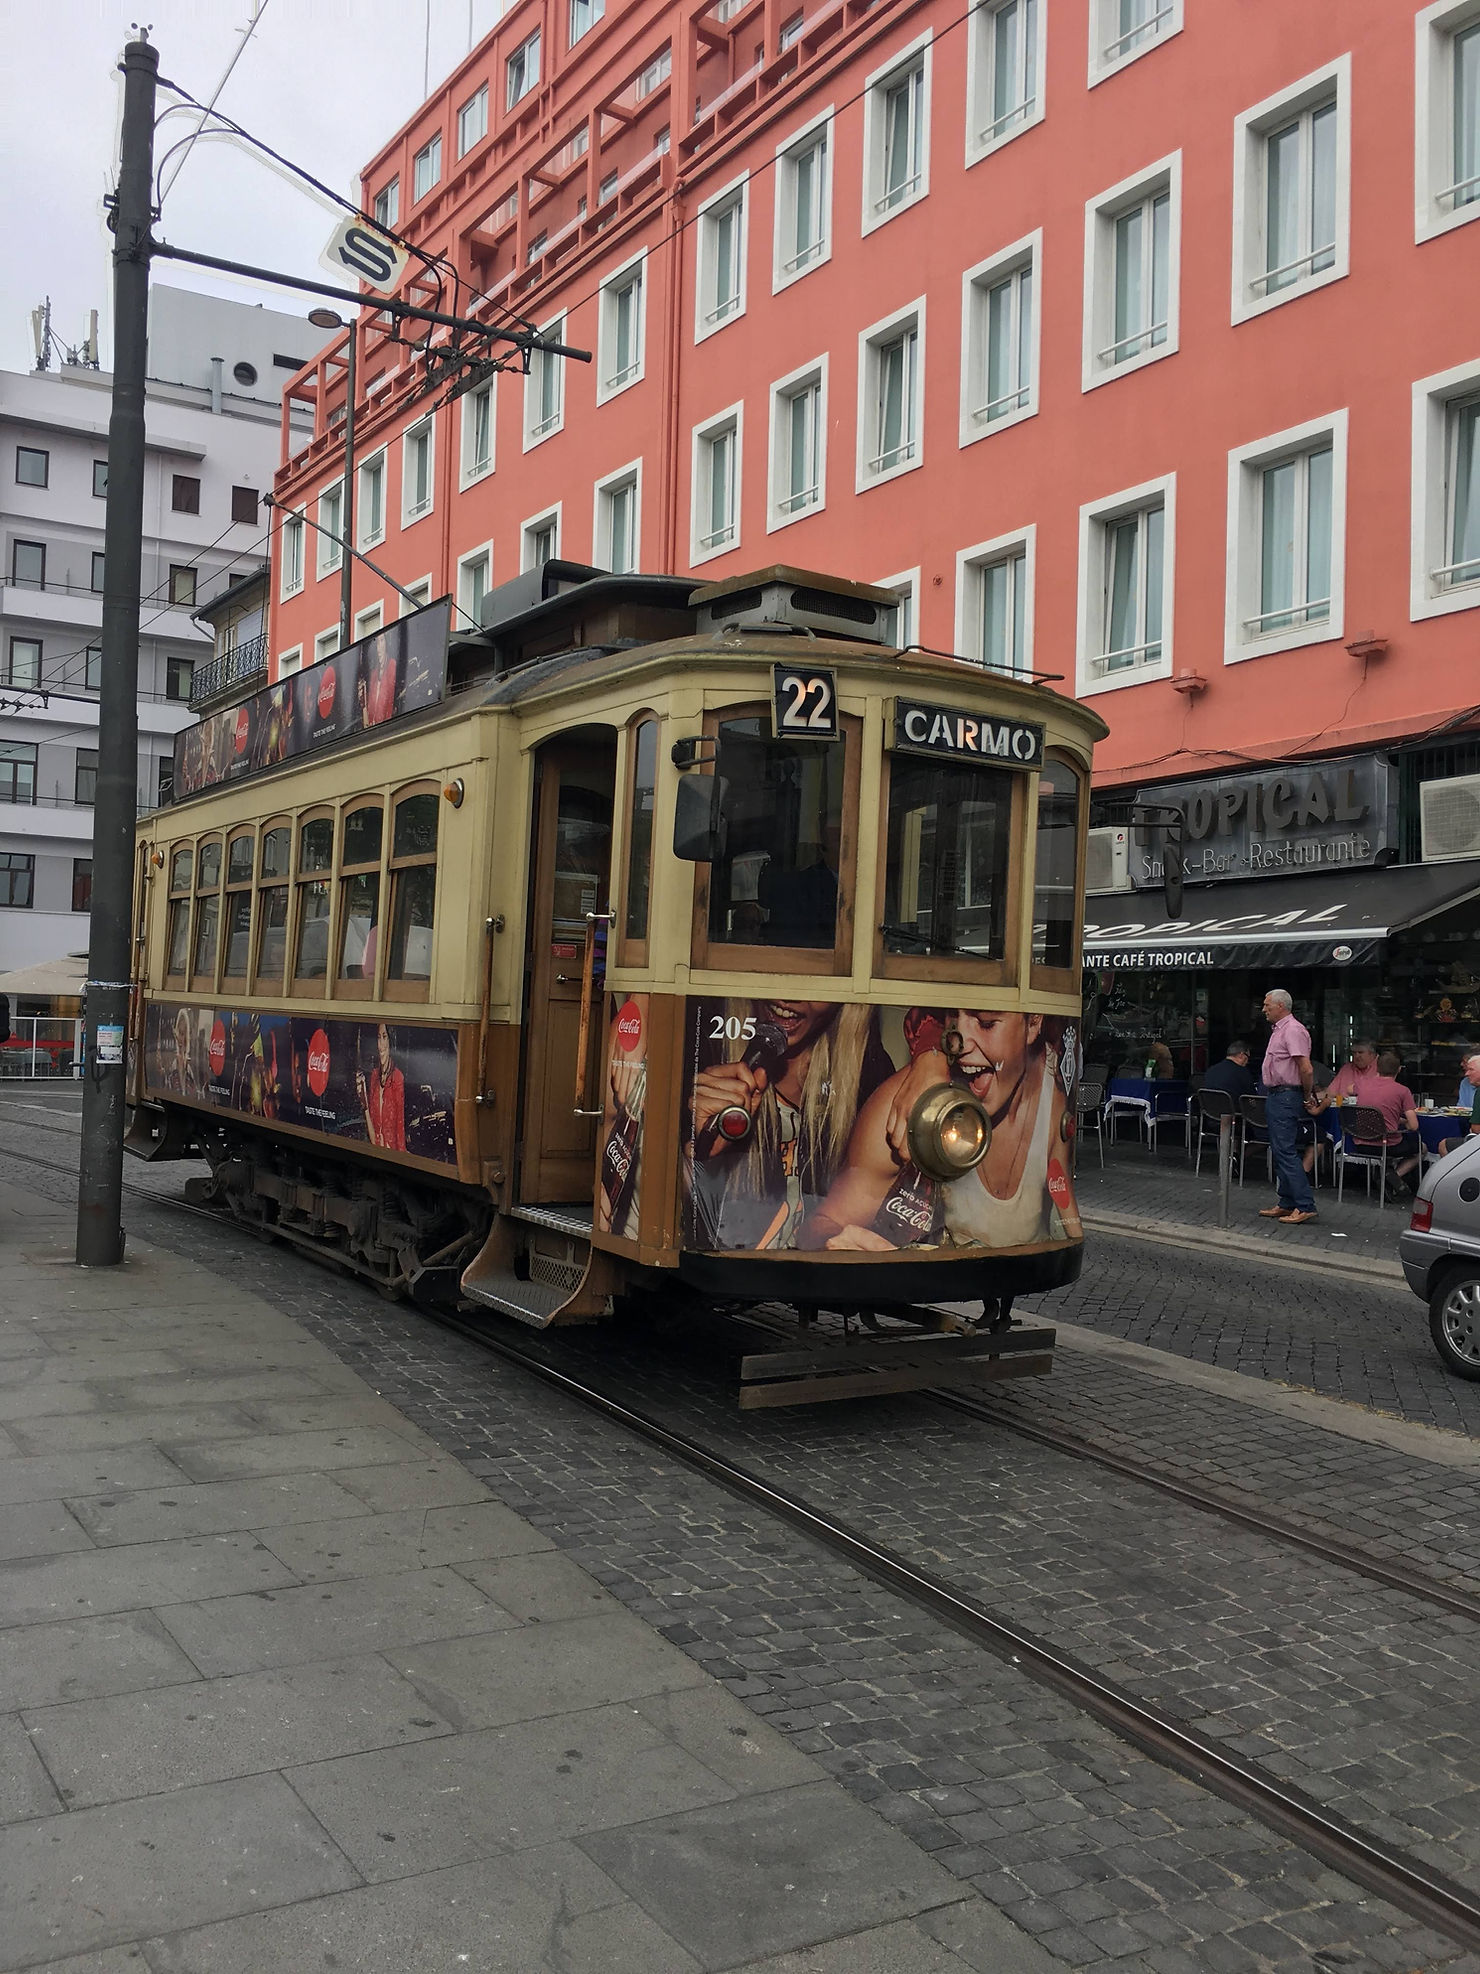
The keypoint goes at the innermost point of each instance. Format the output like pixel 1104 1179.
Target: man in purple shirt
pixel 1289 1084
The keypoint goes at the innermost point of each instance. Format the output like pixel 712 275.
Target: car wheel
pixel 1454 1323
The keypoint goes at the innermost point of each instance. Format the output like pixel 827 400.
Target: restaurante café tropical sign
pixel 1276 822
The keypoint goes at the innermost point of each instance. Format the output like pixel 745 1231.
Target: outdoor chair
pixel 1138 1109
pixel 1089 1102
pixel 1253 1129
pixel 1213 1107
pixel 1170 1107
pixel 1364 1143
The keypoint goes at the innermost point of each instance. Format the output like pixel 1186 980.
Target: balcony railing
pixel 244 666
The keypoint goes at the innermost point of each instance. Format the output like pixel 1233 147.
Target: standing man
pixel 1289 1084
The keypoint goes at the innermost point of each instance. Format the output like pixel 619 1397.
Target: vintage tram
pixel 659 938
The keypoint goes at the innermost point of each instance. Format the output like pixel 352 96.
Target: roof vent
pixel 786 599
pixel 533 586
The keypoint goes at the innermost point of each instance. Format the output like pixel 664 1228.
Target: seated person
pixel 1161 1055
pixel 1233 1075
pixel 1378 1089
pixel 1355 1078
pixel 1471 1067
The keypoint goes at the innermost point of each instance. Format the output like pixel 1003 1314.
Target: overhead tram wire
pixel 163 190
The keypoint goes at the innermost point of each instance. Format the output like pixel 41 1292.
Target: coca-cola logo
pixel 217 1051
pixel 328 686
pixel 914 1213
pixel 318 1062
pixel 1058 1184
pixel 243 729
pixel 629 1026
pixel 618 1159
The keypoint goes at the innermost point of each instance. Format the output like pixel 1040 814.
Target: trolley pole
pixel 110 959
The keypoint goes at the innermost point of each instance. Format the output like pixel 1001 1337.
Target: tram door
pixel 572 862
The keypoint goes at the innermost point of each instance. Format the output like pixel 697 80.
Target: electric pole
pixel 110 954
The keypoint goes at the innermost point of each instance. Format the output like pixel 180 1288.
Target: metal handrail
pixel 1309 612
pixel 1290 266
pixel 1007 118
pixel 1152 334
pixel 1129 655
pixel 1134 34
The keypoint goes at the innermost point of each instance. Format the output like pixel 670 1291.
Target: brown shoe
pixel 1296 1218
pixel 1273 1212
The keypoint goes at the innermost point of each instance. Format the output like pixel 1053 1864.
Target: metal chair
pixel 1214 1107
pixel 1253 1128
pixel 1089 1102
pixel 1364 1143
pixel 1170 1108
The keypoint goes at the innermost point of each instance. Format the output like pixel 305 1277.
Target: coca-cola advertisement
pixel 797 1126
pixel 619 1179
pixel 375 1083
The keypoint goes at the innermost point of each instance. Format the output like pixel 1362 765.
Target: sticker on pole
pixel 363 253
pixel 110 1041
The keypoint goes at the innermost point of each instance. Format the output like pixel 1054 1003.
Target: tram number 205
pixel 731 1028
pixel 805 704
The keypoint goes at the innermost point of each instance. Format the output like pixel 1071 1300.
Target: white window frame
pixel 906 587
pixel 546 518
pixel 915 54
pixel 982 138
pixel 817 129
pixel 976 284
pixel 388 197
pixel 329 556
pixel 1435 28
pixel 290 661
pixel 1246 464
pixel 471 471
pixel 417 583
pixel 1430 517
pixel 1093 517
pixel 734 197
pixel 322 645
pixel 608 484
pixel 731 419
pixel 409 515
pixel 970 563
pixel 870 341
pixel 371 618
pixel 1100 216
pixel 369 537
pixel 594 11
pixel 529 49
pixel 533 434
pixel 610 287
pixel 432 151
pixel 466 563
pixel 779 455
pixel 296 521
pixel 1251 131
pixel 473 111
pixel 1104 33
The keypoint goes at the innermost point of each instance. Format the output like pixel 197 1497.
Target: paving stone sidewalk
pixel 282 1685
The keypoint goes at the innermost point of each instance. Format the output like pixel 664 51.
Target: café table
pixel 1434 1126
pixel 1145 1099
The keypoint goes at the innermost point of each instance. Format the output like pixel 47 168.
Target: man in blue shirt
pixel 1233 1074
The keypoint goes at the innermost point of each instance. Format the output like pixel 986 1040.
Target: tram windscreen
pixel 945 883
pixel 777 882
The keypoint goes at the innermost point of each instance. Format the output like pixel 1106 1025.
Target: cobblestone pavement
pixel 1108 1859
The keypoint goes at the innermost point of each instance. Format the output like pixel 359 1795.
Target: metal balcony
pixel 238 672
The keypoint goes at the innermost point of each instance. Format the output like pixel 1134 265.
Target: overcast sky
pixel 324 81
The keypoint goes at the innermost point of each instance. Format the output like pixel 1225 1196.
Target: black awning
pixel 1330 918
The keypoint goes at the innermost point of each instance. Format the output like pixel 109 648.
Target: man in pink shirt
pixel 1289 1087
pixel 1372 1079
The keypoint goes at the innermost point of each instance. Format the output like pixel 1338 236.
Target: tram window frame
pixel 632 946
pixel 346 986
pixel 400 987
pixel 314 986
pixel 179 914
pixel 268 882
pixel 1062 979
pixel 836 961
pixel 234 889
pixel 966 968
pixel 207 894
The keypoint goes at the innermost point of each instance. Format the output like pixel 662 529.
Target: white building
pixel 213 440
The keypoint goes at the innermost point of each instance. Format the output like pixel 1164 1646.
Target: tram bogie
pixel 661 941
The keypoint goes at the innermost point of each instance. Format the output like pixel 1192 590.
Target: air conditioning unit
pixel 1449 817
pixel 1109 864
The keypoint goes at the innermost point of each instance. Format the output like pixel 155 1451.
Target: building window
pixel 994 602
pixel 522 71
pixel 290 662
pixel 653 75
pixel 618 520
pixel 82 884
pixel 28 564
pixel 803 204
pixel 290 544
pixel 185 494
pixel 1286 540
pixel 244 505
pixel 24 664
pixel 539 540
pixel 716 473
pixel 1447 105
pixel 620 337
pixel 32 466
pixel 85 778
pixel 326 644
pixel 178 676
pixel 477 433
pixel 1125 587
pixel 999 340
pixel 584 14
pixel 472 121
pixel 92 668
pixel 17 771
pixel 1291 191
pixel 330 528
pixel 474 575
pixel 1446 493
pixel 370 506
pixel 544 388
pixel 1132 263
pixel 368 621
pixel 798 444
pixel 165 791
pixel 890 369
pixel 1120 31
pixel 426 168
pixel 791 33
pixel 417 595
pixel 98 567
pixel 1004 90
pixel 720 270
pixel 902 624
pixel 182 585
pixel 17 872
pixel 416 472
pixel 100 479
pixel 896 116
pixel 387 207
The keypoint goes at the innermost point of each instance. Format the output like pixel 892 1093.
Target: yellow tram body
pixel 439 998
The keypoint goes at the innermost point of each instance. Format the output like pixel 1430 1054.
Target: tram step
pixel 531 1302
pixel 573 1220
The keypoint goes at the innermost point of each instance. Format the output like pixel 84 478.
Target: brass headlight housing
pixel 950 1132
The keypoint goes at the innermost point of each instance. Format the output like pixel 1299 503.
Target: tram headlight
pixel 733 1123
pixel 950 1132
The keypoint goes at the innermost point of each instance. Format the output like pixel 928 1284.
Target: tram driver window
pixel 315 855
pixel 640 832
pixel 359 901
pixel 239 855
pixel 777 883
pixel 178 943
pixel 413 893
pixel 1056 867
pixel 272 908
pixel 945 881
pixel 207 914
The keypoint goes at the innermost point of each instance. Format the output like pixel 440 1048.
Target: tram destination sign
pixel 921 728
pixel 1279 822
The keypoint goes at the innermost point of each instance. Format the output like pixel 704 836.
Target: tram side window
pixel 239 854
pixel 178 943
pixel 272 909
pixel 315 856
pixel 413 888
pixel 207 914
pixel 359 885
pixel 640 829
pixel 945 879
pixel 777 883
pixel 1056 866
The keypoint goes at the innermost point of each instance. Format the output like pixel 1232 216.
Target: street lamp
pixel 328 318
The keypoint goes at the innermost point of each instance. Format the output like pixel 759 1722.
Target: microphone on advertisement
pixel 767 1050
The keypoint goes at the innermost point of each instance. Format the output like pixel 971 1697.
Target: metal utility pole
pixel 110 958
pixel 347 499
